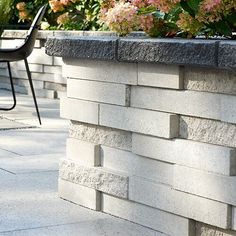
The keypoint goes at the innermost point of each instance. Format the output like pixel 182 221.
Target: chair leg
pixel 12 90
pixel 32 89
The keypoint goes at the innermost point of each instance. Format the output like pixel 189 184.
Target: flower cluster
pixel 121 18
pixel 24 14
pixel 188 18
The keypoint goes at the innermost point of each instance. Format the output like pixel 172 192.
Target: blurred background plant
pixel 6 13
pixel 61 14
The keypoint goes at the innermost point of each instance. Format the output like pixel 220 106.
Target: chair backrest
pixel 32 32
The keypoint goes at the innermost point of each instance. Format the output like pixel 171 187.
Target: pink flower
pixel 56 5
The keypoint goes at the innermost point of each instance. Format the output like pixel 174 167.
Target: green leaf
pixel 191 6
pixel 223 28
pixel 231 18
pixel 187 8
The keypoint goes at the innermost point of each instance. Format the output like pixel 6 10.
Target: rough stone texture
pixel 234 218
pixel 209 80
pixel 84 153
pixel 160 75
pixel 227 54
pixel 132 164
pixel 208 131
pixel 203 156
pixel 79 194
pixel 207 230
pixel 83 47
pixel 98 91
pixel 171 51
pixel 217 187
pixel 190 206
pixel 101 135
pixel 139 120
pixel 165 222
pixel 79 110
pixel 106 71
pixel 97 178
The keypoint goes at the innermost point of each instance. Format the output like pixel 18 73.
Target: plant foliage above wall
pixel 168 18
pixel 63 14
pixel 158 18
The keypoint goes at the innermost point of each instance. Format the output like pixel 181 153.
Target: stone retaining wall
pixel 151 143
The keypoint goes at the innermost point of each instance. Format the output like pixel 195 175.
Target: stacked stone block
pixel 153 144
pixel 46 70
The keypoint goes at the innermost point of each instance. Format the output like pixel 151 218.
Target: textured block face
pixel 100 71
pixel 132 164
pixel 141 121
pixel 98 91
pixel 79 110
pixel 208 80
pixel 97 178
pixel 180 203
pixel 101 135
pixel 208 131
pixel 156 219
pixel 84 153
pixel 80 195
pixel 160 75
pixel 207 230
pixel 216 187
pixel 203 156
pixel 167 51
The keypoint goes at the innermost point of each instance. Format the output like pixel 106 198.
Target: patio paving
pixel 29 154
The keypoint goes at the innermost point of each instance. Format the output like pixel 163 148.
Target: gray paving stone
pixel 29 164
pixel 34 141
pixel 105 225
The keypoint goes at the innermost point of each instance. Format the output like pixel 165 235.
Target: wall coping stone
pixel 195 52
pixel 137 47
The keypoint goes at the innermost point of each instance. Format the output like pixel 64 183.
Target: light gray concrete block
pixel 80 195
pixel 138 120
pixel 25 83
pixel 20 65
pixel 180 203
pixel 38 56
pixel 54 86
pixel 203 156
pixel 191 103
pixel 132 164
pixel 101 135
pixel 160 75
pixel 75 109
pixel 57 61
pixel 61 94
pixel 84 153
pixel 118 94
pixel 228 108
pixel 95 177
pixel 52 69
pixel 153 218
pixel 208 131
pixel 216 187
pixel 207 230
pixel 209 80
pixel 234 218
pixel 124 73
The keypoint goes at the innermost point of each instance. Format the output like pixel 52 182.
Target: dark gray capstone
pixel 83 47
pixel 195 52
pixel 170 51
pixel 227 54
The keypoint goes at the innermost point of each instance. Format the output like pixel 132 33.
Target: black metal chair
pixel 21 53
